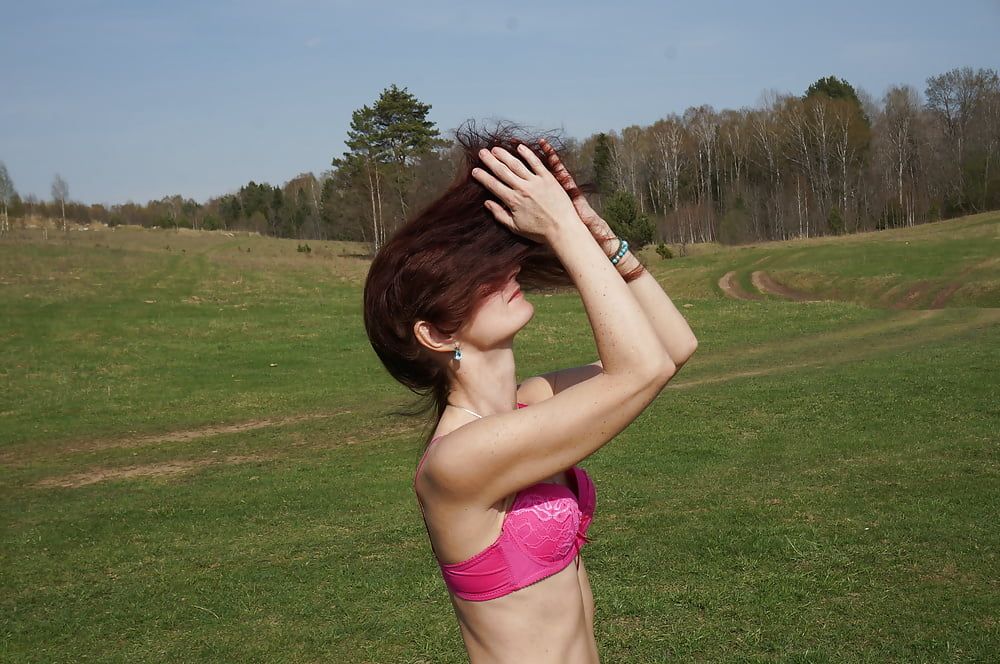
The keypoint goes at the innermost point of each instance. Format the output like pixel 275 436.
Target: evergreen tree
pixel 832 87
pixel 383 143
pixel 603 177
pixel 231 210
pixel 402 130
pixel 836 88
pixel 277 213
pixel 623 216
pixel 301 212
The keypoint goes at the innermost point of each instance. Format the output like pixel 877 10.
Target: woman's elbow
pixel 666 369
pixel 684 356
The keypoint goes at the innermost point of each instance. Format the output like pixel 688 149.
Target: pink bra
pixel 541 534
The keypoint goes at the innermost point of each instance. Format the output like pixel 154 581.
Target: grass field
pixel 199 464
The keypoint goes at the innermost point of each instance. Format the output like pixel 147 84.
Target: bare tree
pixel 60 192
pixel 991 135
pixel 957 98
pixel 897 131
pixel 850 137
pixel 703 125
pixel 701 133
pixel 768 158
pixel 801 154
pixel 668 135
pixel 735 138
pixel 7 192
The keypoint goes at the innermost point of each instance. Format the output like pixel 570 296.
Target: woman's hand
pixel 598 227
pixel 535 204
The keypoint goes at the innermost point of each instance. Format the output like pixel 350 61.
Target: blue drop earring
pixel 458 352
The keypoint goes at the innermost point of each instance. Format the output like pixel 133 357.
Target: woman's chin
pixel 531 309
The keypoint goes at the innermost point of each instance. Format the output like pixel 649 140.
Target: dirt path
pixel 23 453
pixel 944 295
pixel 821 342
pixel 882 337
pixel 732 288
pixel 96 475
pixel 815 351
pixel 100 473
pixel 763 282
pixel 914 292
pixel 201 432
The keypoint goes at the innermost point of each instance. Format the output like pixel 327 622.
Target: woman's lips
pixel 516 293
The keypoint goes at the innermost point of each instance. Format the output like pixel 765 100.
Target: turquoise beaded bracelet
pixel 622 248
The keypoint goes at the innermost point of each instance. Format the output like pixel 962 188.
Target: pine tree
pixel 383 143
pixel 837 88
pixel 603 176
pixel 624 218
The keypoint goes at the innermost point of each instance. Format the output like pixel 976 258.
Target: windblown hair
pixel 446 260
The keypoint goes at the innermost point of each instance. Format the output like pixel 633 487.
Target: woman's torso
pixel 550 620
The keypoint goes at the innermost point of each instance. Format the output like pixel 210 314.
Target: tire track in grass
pixel 32 449
pixel 763 282
pixel 872 340
pixel 942 296
pixel 731 288
pixel 103 472
pixel 896 332
pixel 164 468
pixel 914 293
pixel 892 322
pixel 913 330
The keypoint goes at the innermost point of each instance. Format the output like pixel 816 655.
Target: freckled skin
pixel 551 620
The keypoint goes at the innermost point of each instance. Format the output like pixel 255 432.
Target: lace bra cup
pixel 542 532
pixel 545 521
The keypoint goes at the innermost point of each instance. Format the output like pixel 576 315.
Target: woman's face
pixel 499 317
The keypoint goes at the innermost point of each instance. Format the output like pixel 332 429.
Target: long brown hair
pixel 444 261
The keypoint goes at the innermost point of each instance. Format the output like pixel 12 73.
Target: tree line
pixel 826 162
pixel 831 160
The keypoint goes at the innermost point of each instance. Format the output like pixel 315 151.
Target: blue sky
pixel 137 100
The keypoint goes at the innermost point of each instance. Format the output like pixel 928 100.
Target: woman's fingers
pixel 513 163
pixel 499 168
pixel 502 191
pixel 500 213
pixel 532 159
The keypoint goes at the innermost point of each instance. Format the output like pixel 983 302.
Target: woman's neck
pixel 486 382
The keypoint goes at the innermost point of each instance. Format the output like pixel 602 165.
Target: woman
pixel 505 505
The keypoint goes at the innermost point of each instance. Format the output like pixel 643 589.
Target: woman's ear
pixel 432 338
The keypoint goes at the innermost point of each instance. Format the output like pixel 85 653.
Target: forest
pixel 831 160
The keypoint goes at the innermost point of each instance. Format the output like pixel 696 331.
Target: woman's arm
pixel 671 327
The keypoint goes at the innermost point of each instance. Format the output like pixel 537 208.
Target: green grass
pixel 866 268
pixel 819 484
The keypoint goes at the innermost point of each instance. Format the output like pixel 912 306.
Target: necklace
pixel 465 409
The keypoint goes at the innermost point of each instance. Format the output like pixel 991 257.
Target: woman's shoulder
pixel 426 460
pixel 533 390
